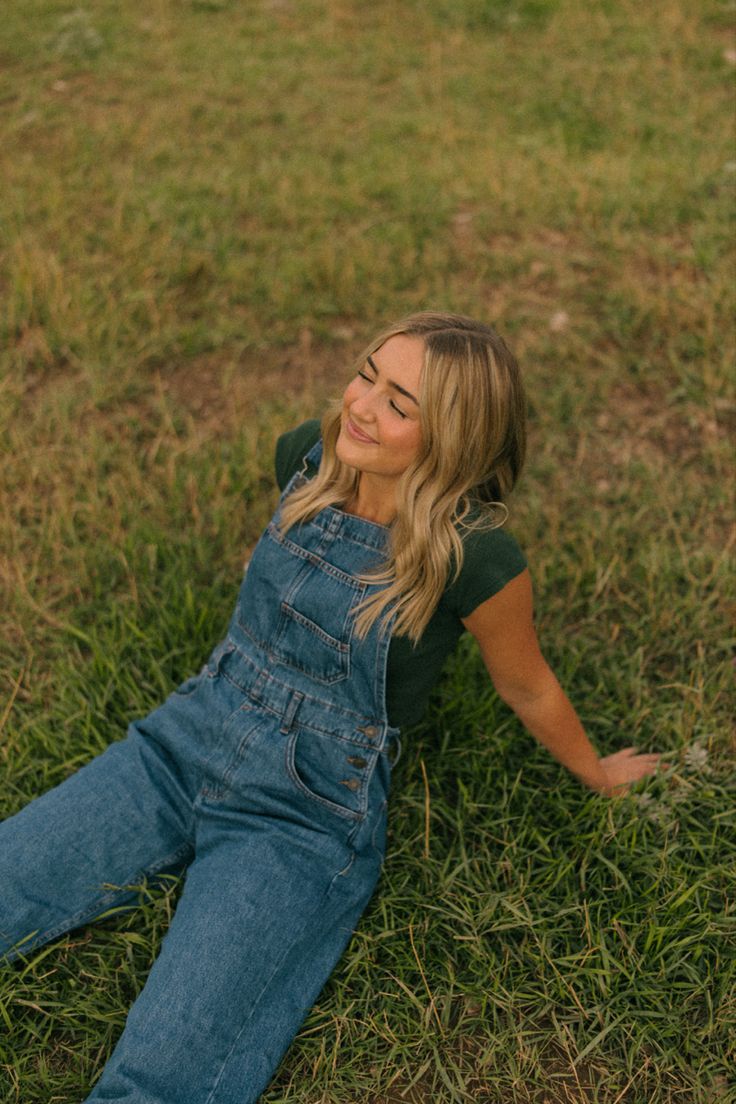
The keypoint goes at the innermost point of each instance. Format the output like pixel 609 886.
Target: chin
pixel 345 454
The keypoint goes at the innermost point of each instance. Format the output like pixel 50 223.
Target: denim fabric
pixel 266 776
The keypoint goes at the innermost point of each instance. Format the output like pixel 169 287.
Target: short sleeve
pixel 492 558
pixel 292 447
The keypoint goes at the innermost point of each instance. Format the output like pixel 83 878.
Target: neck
pixel 374 500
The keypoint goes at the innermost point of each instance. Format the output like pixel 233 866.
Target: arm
pixel 504 628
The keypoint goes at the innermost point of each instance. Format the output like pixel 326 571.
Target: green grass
pixel 207 207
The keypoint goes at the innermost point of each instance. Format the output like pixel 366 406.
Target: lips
pixel 358 434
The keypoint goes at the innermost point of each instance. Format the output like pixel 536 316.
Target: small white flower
pixel 559 321
pixel 656 811
pixel 696 758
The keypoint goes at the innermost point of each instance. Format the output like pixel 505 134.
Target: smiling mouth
pixel 358 434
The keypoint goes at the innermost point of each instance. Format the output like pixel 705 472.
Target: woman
pixel 267 775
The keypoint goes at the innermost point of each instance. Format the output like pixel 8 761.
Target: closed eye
pixel 392 404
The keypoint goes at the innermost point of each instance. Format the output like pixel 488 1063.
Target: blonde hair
pixel 473 434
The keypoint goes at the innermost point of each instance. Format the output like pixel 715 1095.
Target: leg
pixel 267 909
pixel 63 857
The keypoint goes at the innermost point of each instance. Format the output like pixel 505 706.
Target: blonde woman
pixel 266 776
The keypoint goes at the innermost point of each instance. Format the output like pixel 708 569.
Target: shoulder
pixel 292 447
pixel 491 559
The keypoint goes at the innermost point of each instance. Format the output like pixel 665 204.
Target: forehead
pixel 401 358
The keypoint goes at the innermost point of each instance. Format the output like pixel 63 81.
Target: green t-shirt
pixel 491 559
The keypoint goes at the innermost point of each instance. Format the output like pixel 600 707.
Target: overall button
pixel 351 783
pixel 368 730
pixel 357 761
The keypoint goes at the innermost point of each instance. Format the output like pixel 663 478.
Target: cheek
pixel 351 393
pixel 409 443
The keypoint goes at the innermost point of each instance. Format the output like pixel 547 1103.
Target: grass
pixel 207 208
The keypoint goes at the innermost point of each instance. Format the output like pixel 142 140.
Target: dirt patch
pixel 641 424
pixel 671 260
pixel 220 387
pixel 564 1088
pixel 217 392
pixel 550 1066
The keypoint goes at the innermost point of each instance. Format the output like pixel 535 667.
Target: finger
pixel 646 769
pixel 616 756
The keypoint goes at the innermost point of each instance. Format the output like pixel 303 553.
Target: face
pixel 380 431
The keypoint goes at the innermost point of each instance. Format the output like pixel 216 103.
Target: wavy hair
pixel 473 442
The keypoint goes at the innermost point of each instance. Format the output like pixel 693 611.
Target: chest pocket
pixel 297 607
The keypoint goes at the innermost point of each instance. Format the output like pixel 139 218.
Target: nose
pixel 363 407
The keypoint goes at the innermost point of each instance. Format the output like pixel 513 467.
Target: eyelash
pixel 391 401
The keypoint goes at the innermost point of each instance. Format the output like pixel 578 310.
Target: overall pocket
pixel 332 772
pixel 304 645
pixel 297 607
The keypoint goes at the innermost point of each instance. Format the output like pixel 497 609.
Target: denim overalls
pixel 267 776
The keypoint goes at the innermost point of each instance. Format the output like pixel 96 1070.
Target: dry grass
pixel 208 207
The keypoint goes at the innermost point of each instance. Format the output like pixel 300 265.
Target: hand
pixel 624 767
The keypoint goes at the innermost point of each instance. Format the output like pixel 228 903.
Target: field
pixel 207 208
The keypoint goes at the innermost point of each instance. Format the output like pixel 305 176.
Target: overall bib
pixel 266 776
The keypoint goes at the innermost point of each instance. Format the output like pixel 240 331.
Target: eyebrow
pixel 391 383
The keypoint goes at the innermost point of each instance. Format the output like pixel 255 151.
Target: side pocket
pixel 318 766
pixel 212 667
